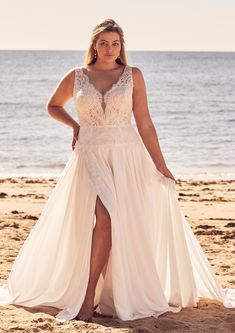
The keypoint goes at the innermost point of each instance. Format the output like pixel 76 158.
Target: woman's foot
pixel 87 310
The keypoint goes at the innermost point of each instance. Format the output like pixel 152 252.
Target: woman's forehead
pixel 109 36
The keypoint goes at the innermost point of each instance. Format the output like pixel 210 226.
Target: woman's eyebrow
pixel 103 40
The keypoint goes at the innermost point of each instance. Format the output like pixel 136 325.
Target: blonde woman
pixel 111 235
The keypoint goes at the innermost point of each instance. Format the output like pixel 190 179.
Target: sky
pixel 160 25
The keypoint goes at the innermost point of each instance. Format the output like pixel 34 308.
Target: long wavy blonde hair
pixel 105 25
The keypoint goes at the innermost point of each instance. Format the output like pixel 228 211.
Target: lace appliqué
pixel 90 102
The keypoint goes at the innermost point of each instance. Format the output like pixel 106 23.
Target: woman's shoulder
pixel 137 75
pixel 136 70
pixel 68 77
pixel 72 74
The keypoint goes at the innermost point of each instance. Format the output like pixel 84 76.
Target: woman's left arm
pixel 144 123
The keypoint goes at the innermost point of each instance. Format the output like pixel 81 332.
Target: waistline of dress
pixel 107 135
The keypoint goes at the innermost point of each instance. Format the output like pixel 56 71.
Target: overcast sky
pixel 165 25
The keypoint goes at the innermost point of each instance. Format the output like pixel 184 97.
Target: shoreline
pixel 178 176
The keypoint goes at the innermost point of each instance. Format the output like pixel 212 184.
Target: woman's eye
pixel 105 44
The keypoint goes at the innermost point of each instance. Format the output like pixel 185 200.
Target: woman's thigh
pixel 101 212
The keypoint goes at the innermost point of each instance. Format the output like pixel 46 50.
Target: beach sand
pixel 209 209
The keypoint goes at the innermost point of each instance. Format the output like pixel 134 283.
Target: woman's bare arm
pixel 144 122
pixel 60 96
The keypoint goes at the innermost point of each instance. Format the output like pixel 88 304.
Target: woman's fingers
pixel 75 136
pixel 74 143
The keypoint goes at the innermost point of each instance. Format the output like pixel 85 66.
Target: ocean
pixel 191 98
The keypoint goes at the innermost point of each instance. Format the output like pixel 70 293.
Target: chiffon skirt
pixel 155 263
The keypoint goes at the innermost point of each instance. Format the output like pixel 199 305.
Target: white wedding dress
pixel 155 264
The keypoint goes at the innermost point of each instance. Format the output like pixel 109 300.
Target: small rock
pixel 230 225
pixel 30 217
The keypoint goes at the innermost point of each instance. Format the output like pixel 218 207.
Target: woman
pixel 112 233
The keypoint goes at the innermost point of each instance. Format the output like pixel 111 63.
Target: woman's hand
pixel 166 172
pixel 76 129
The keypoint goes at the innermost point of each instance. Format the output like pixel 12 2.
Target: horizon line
pixel 133 50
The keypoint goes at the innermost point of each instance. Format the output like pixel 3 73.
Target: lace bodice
pixel 114 107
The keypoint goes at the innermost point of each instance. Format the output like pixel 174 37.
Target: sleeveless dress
pixel 155 264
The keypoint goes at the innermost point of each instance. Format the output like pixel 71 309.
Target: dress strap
pixel 127 76
pixel 78 80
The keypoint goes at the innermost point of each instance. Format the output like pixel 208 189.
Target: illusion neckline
pixel 110 89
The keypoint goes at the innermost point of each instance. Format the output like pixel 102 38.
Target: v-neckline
pixel 107 91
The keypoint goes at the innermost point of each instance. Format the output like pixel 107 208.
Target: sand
pixel 209 209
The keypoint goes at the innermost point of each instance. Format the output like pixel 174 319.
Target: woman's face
pixel 108 46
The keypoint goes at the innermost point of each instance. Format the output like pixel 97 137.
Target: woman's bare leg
pixel 101 244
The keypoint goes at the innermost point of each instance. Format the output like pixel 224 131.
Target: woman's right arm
pixel 59 97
